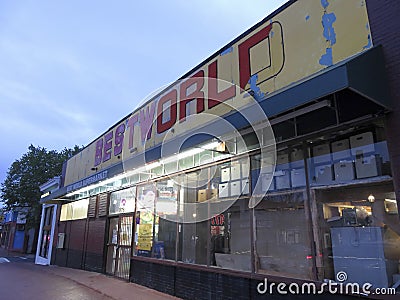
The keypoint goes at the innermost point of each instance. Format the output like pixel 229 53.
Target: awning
pixel 58 196
pixel 364 74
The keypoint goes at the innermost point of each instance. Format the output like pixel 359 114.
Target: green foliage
pixel 25 175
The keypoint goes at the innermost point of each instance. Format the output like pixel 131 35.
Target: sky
pixel 69 70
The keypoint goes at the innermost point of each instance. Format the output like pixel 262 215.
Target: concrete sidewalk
pixel 107 285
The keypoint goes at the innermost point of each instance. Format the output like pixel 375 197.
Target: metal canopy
pixel 364 74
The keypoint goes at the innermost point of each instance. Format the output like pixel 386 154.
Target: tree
pixel 21 189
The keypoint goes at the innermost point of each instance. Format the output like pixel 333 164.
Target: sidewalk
pixel 106 285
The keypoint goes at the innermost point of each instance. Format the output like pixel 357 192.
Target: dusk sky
pixel 71 69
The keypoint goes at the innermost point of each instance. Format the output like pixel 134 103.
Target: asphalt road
pixel 20 279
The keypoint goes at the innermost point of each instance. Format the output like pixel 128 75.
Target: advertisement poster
pixel 145 232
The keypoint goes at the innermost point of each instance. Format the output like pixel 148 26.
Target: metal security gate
pixel 119 246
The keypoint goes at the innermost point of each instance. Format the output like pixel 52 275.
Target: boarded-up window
pixel 66 212
pixel 92 207
pixel 74 210
pixel 103 205
pixel 80 209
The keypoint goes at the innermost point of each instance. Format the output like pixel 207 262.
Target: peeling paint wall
pixel 328 18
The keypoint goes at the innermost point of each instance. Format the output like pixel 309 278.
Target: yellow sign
pixel 145 229
pixel 145 237
pixel 301 40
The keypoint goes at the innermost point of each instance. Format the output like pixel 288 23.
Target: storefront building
pixel 301 186
pixel 13 230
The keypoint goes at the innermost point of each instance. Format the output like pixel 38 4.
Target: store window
pixel 122 201
pixel 171 167
pixel 234 179
pixel 210 228
pixel 230 242
pixel 157 171
pixel 197 189
pixel 186 162
pixel 165 230
pixel 262 174
pixel 358 156
pixel 144 176
pixel 284 130
pixel 282 238
pixel 289 170
pixel 193 234
pixel 146 220
pixel 297 168
pixel 248 141
pixel 359 233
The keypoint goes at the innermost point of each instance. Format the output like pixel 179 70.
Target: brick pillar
pixel 385 27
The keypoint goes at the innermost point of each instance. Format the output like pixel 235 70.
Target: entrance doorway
pixel 46 235
pixel 119 246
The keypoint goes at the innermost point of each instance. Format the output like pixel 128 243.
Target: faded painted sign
pixel 303 39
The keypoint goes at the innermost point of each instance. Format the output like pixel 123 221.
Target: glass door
pixel 119 246
pixel 46 233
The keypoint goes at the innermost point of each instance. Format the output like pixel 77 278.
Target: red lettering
pixel 222 219
pixel 146 118
pixel 197 79
pixel 171 96
pixel 218 220
pixel 244 54
pixel 215 97
pixel 107 146
pixel 99 152
pixel 119 139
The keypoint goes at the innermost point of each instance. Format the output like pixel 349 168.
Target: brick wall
pixel 188 282
pixel 155 276
pixel 385 27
